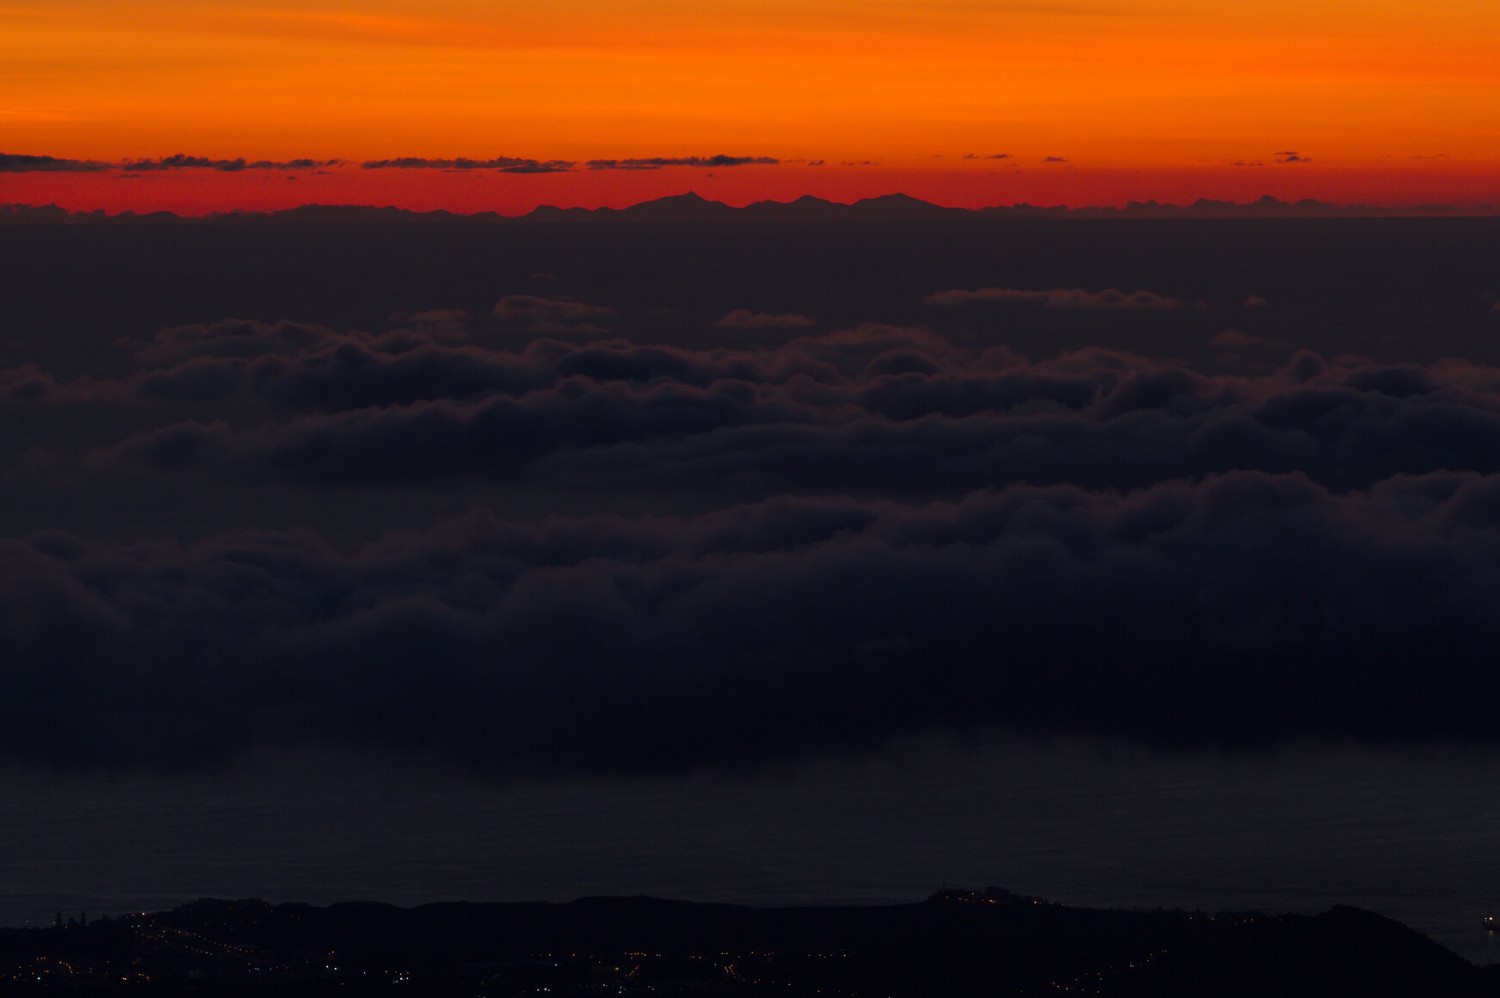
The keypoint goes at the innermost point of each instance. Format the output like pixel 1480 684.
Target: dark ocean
pixel 1400 834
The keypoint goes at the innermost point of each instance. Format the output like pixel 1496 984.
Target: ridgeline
pixel 956 943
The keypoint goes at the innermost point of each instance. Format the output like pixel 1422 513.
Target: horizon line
pixel 1267 205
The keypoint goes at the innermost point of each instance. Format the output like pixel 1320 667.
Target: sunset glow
pixel 963 102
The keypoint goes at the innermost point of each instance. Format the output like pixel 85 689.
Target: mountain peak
pixel 898 206
pixel 686 207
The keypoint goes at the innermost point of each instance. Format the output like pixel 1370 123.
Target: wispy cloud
pixel 743 318
pixel 1056 298
pixel 1236 338
pixel 184 162
pixel 500 164
pixel 659 162
pixel 20 163
pixel 551 315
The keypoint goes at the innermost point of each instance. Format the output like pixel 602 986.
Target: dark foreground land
pixel 955 943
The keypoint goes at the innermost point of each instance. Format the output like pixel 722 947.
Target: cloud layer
pixel 891 410
pixel 500 164
pixel 1056 298
pixel 1243 610
pixel 658 162
pixel 184 162
pixel 902 535
pixel 21 163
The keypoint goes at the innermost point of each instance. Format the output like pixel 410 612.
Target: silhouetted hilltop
pixel 804 209
pixel 687 207
pixel 51 214
pixel 1342 952
pixel 956 943
pixel 900 207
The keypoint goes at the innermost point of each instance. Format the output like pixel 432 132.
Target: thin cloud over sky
pixel 20 163
pixel 500 164
pixel 556 309
pixel 1236 338
pixel 1056 298
pixel 743 318
pixel 660 162
pixel 184 162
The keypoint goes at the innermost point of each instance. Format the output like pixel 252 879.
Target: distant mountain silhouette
pixel 692 207
pixel 51 214
pixel 804 209
pixel 687 207
pixel 901 207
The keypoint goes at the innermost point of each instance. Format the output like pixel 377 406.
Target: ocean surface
pixel 1410 836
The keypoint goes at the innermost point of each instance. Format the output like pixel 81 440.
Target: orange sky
pixel 1387 101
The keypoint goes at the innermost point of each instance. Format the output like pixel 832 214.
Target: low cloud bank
pixel 894 410
pixel 913 537
pixel 1244 610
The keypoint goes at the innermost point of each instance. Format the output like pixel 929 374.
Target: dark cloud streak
pixel 660 162
pixel 184 162
pixel 499 164
pixel 20 163
pixel 1057 298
